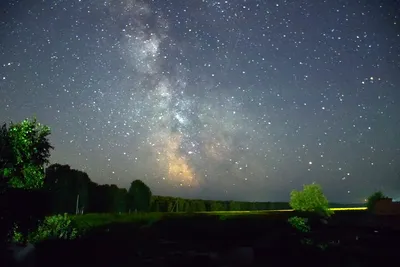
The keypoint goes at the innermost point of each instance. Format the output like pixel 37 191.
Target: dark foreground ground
pixel 349 239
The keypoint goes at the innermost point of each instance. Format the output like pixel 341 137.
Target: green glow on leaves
pixel 28 150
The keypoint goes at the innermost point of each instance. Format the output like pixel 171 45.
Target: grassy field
pixel 94 220
pixel 188 239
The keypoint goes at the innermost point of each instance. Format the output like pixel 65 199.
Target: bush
pixel 373 199
pixel 300 224
pixel 311 199
pixel 53 227
pixel 17 235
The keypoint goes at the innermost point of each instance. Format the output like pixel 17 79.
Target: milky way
pixel 241 100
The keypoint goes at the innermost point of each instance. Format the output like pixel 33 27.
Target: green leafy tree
pixel 310 199
pixel 25 149
pixel 374 198
pixel 139 196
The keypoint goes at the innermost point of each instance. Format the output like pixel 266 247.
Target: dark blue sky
pixel 242 100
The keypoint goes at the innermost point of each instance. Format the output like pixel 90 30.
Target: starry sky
pixel 234 99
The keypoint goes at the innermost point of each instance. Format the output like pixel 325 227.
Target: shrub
pixel 300 224
pixel 17 236
pixel 53 227
pixel 373 199
pixel 310 199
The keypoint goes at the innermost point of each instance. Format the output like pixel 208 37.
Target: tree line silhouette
pixel 72 191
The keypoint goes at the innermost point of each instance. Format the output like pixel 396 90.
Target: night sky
pixel 242 100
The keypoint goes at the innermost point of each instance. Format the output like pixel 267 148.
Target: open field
pixel 350 238
pixel 95 220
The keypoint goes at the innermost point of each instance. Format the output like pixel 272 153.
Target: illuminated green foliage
pixel 24 149
pixel 57 226
pixel 310 199
pixel 32 177
pixel 300 224
pixel 17 236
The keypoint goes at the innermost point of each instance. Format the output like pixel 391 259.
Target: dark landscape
pixel 351 238
pixel 59 215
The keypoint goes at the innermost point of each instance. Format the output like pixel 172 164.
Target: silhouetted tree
pixel 6 156
pixel 199 205
pixel 187 205
pixel 373 199
pixel 67 186
pixel 162 203
pixel 217 206
pixel 234 206
pixel 117 198
pixel 139 196
pixel 155 205
pixel 101 199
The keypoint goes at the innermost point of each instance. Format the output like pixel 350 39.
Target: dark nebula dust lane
pixel 241 100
